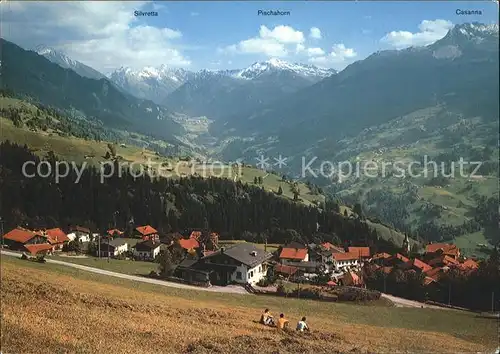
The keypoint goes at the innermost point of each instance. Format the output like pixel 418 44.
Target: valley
pixel 239 115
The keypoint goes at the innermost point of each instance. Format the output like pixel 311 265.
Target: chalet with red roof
pixel 189 244
pixel 285 270
pixel 380 258
pixel 362 252
pixel 345 261
pixel 294 254
pixel 333 248
pixel 114 233
pixel 435 273
pixel 17 238
pixel 443 260
pixel 470 263
pixel 396 260
pixel 40 249
pixel 417 265
pixel 57 238
pixel 147 232
pixel 434 250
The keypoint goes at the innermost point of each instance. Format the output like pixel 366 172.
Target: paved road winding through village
pixel 232 289
pixel 400 302
pixel 221 289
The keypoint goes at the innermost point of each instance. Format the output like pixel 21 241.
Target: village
pixel 199 258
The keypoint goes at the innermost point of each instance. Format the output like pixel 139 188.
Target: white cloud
pixel 282 34
pixel 429 32
pixel 300 48
pixel 103 35
pixel 274 43
pixel 194 14
pixel 314 52
pixel 341 52
pixel 339 57
pixel 269 47
pixel 315 33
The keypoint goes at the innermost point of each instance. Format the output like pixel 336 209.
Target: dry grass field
pixel 48 309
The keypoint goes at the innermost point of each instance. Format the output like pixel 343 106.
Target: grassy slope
pixel 114 265
pixel 62 309
pixel 406 138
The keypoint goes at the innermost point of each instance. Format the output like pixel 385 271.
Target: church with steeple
pixel 406 246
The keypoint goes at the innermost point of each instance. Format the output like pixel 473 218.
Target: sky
pixel 230 35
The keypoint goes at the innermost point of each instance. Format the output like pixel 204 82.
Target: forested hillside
pixel 235 210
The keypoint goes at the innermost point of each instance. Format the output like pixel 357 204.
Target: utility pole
pixel 99 250
pixel 1 229
pixel 449 294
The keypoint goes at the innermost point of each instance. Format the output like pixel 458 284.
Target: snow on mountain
pixel 275 65
pixel 156 83
pixel 471 34
pixel 66 62
pixel 476 29
pixel 150 82
pixel 471 38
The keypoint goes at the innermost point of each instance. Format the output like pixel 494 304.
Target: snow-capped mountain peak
pixel 61 59
pixel 150 82
pixel 470 33
pixel 274 64
pixel 44 51
pixel 476 29
pixel 56 56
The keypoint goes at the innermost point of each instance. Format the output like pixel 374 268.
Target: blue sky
pixel 220 35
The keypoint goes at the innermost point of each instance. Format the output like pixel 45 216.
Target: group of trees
pixel 258 180
pixel 474 289
pixel 230 208
pixel 42 117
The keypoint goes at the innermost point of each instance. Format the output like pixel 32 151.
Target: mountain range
pixel 212 93
pixel 216 93
pixel 439 100
pixel 54 85
pixel 456 71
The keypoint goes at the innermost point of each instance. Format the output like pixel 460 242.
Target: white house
pixel 242 263
pixel 344 261
pixel 147 250
pixel 79 233
pixel 113 248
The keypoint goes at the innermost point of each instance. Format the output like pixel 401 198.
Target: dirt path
pixel 233 289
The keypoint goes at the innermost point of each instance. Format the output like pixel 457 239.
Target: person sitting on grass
pixel 267 318
pixel 302 325
pixel 282 322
